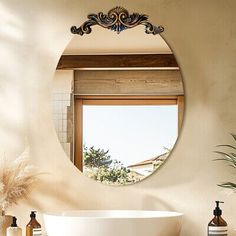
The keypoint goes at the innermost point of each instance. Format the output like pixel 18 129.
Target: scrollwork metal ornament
pixel 118 19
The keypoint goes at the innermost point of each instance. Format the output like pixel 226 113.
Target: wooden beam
pixel 72 62
pixel 129 82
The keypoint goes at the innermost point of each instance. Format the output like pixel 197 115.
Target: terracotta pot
pixel 5 221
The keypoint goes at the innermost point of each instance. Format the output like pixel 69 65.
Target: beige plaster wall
pixel 202 35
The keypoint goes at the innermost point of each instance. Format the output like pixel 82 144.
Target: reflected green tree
pixel 99 166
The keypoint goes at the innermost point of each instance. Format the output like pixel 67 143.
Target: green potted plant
pixel 230 157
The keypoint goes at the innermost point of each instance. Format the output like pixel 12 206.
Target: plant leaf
pixel 227 156
pixel 230 157
pixel 226 145
pixel 222 153
pixel 234 136
pixel 229 185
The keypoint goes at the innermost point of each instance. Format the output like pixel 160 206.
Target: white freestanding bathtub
pixel 113 223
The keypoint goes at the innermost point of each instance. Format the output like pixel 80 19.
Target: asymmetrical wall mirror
pixel 118 100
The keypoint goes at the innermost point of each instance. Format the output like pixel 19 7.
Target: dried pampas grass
pixel 16 179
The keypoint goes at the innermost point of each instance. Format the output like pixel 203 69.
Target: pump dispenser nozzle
pixel 217 211
pixel 14 222
pixel 33 214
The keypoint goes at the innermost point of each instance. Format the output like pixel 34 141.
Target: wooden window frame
pixel 80 100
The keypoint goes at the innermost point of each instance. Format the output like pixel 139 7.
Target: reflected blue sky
pixel 131 133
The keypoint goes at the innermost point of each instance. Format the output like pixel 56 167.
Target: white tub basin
pixel 113 223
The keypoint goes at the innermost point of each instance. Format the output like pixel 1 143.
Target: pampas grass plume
pixel 16 180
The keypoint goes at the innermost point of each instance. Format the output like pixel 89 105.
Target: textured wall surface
pixel 202 34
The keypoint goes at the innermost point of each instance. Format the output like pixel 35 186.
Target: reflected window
pixel 123 139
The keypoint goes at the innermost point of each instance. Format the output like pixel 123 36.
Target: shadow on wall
pixel 12 127
pixel 48 191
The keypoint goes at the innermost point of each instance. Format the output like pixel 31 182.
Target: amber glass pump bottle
pixel 33 228
pixel 217 226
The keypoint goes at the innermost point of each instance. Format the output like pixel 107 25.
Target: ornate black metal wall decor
pixel 117 19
